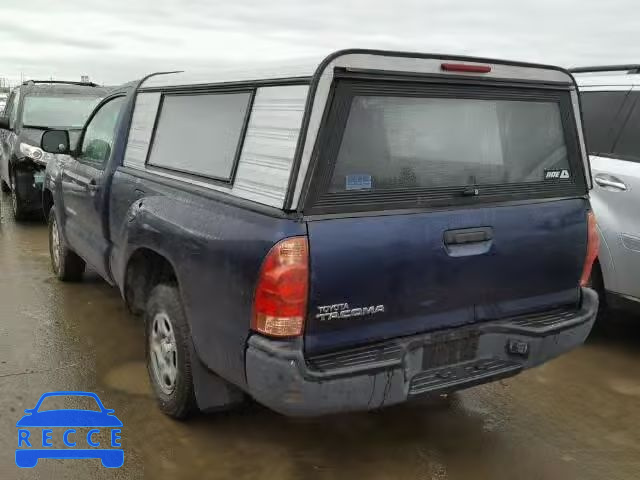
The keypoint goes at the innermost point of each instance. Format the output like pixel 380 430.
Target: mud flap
pixel 212 392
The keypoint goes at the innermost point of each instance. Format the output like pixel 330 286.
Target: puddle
pixel 129 378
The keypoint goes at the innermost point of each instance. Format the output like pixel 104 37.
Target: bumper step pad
pixel 466 374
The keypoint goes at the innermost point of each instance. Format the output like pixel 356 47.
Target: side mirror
pixel 55 141
pixel 4 122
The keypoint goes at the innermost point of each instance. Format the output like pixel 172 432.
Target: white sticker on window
pixel 557 174
pixel 358 182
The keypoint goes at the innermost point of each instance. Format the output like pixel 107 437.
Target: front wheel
pixel 167 352
pixel 17 205
pixel 66 264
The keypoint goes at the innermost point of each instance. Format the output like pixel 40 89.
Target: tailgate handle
pixel 468 235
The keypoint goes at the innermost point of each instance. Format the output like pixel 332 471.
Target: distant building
pixel 84 78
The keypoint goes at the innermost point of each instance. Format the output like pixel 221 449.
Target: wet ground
pixel 577 417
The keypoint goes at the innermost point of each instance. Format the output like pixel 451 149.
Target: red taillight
pixel 593 245
pixel 280 303
pixel 465 67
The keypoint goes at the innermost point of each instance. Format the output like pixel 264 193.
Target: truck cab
pixel 343 235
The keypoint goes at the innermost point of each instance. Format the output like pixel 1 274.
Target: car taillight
pixel 593 245
pixel 280 302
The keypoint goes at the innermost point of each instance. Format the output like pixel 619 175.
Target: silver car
pixel 611 115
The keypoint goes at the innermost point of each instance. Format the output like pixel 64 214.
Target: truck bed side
pixel 215 249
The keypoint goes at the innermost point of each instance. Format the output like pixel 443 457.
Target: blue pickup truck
pixel 342 235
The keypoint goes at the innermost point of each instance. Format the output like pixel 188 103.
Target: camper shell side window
pixel 200 134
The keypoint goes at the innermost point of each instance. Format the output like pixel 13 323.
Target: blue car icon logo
pixel 66 424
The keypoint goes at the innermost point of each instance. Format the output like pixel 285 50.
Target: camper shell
pixel 305 89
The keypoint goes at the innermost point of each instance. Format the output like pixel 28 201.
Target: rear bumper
pixel 280 377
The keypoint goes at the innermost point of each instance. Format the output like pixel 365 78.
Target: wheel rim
pixel 163 353
pixel 55 245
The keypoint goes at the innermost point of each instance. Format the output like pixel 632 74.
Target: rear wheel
pixel 66 264
pixel 17 205
pixel 167 352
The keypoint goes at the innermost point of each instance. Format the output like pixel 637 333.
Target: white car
pixel 611 115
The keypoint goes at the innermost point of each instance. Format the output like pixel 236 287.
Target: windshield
pixel 69 111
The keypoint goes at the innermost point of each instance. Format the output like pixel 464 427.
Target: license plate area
pixel 450 348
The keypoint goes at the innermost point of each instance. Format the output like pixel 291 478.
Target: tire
pixel 5 188
pixel 17 206
pixel 168 357
pixel 65 263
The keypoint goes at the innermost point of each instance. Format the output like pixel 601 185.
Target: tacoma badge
pixel 343 310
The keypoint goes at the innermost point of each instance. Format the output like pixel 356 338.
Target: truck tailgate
pixel 379 277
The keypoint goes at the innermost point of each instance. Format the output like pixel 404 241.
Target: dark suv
pixel 32 108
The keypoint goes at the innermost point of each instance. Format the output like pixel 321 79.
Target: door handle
pixel 92 186
pixel 468 235
pixel 468 241
pixel 609 181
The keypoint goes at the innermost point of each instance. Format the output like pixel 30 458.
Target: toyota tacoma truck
pixel 342 235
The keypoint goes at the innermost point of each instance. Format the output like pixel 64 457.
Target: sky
pixel 114 41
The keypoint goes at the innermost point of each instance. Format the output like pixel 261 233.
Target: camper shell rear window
pixel 414 145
